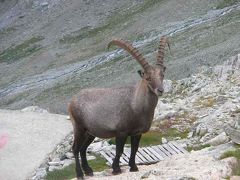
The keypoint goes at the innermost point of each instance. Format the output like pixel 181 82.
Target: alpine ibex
pixel 117 112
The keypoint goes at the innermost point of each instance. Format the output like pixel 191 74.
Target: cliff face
pixel 204 104
pixel 49 50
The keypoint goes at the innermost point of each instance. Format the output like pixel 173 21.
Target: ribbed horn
pixel 160 55
pixel 132 50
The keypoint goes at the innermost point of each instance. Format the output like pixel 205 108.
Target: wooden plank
pixel 159 151
pixel 179 147
pixel 144 159
pixel 155 159
pixel 158 156
pixel 166 146
pixel 164 151
pixel 139 157
pixel 149 159
pixel 112 154
pixel 147 155
pixel 128 153
pixel 174 148
pixel 126 159
pixel 109 159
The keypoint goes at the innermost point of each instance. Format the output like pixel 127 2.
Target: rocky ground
pixel 207 105
pixel 48 53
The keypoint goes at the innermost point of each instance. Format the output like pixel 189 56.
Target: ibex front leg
pixel 120 141
pixel 134 148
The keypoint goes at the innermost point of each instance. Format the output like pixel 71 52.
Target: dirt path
pixel 31 136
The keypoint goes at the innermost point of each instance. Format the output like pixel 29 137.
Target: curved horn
pixel 132 50
pixel 163 42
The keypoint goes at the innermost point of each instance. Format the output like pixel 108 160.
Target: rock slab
pixel 31 137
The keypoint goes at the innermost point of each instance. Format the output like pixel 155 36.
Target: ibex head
pixel 153 75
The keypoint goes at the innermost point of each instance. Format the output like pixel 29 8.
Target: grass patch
pixel 226 3
pixel 197 148
pixel 155 138
pixel 14 98
pixel 117 19
pixel 6 31
pixel 98 164
pixel 233 153
pixel 182 121
pixel 66 173
pixel 27 48
pixel 205 102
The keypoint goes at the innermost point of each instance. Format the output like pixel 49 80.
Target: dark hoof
pixel 88 171
pixel 133 169
pixel 80 178
pixel 117 171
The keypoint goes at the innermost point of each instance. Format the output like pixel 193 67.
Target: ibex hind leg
pixel 77 143
pixel 134 148
pixel 120 141
pixel 88 139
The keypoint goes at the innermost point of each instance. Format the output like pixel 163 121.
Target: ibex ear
pixel 141 73
pixel 164 68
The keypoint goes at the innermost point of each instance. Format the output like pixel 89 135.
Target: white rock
pixel 43 4
pixel 34 109
pixel 190 135
pixel 167 86
pixel 220 139
pixel 164 140
pixel 56 160
pixel 52 168
pixel 201 130
pixel 67 162
pixel 146 175
pixel 54 163
pixel 41 172
pixel 97 146
pixel 69 155
pixel 91 157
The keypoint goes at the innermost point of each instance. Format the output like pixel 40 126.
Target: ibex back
pixel 117 112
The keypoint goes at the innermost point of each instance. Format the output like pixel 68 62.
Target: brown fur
pixel 117 112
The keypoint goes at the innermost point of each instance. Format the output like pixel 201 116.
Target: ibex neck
pixel 144 98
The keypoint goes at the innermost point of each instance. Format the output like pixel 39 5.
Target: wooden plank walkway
pixel 147 155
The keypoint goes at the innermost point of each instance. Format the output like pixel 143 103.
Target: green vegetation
pixel 118 18
pixel 182 120
pixel 66 173
pixel 205 102
pixel 155 138
pixel 98 164
pixel 233 153
pixel 8 30
pixel 196 148
pixel 225 3
pixel 15 98
pixel 27 48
